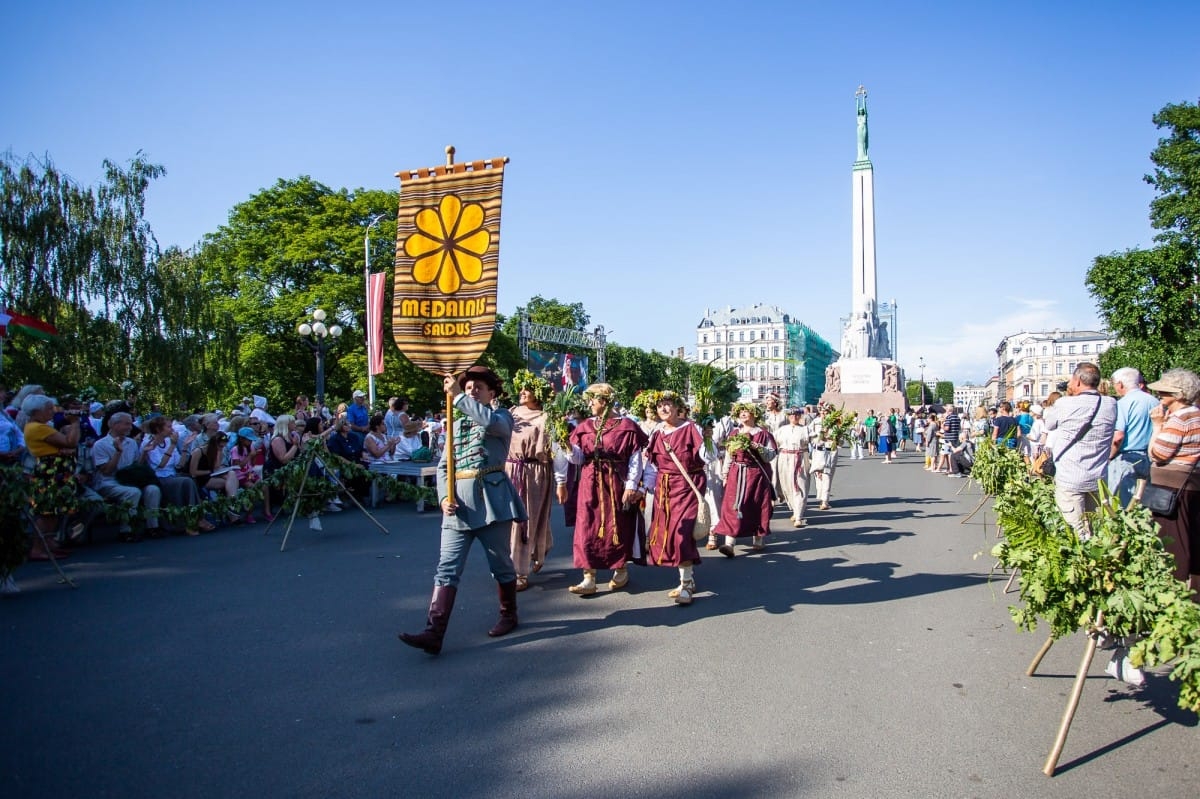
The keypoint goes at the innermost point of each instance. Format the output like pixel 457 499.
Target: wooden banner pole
pixel 449 427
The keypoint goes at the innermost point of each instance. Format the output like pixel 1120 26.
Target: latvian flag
pixel 10 320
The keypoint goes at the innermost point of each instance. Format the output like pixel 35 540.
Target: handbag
pixel 1163 501
pixel 1043 464
pixel 137 475
pixel 703 513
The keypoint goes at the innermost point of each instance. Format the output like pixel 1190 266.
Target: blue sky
pixel 667 157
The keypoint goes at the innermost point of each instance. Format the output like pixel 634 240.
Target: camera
pixel 1061 386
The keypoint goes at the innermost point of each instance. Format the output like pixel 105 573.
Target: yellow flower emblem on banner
pixel 449 244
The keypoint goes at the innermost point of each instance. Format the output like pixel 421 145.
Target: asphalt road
pixel 867 655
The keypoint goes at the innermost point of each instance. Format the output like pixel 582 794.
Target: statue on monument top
pixel 860 98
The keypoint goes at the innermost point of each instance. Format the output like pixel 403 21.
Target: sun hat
pixel 1167 384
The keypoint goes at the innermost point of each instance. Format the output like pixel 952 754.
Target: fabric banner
pixel 447 263
pixel 375 323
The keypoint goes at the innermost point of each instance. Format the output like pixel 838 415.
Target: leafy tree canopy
pixel 1148 298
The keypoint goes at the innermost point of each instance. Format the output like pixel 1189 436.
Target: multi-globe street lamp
pixel 319 337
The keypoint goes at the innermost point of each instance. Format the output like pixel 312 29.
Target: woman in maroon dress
pixel 609 531
pixel 748 501
pixel 670 542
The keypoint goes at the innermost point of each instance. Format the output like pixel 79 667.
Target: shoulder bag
pixel 1043 464
pixel 1162 501
pixel 703 514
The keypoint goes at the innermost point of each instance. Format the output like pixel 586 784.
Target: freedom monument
pixel 865 377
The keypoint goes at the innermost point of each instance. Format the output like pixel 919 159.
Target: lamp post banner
pixel 375 323
pixel 447 263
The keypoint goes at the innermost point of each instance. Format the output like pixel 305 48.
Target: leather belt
pixel 470 474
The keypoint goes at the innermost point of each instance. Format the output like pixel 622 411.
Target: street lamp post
pixel 370 320
pixel 921 364
pixel 318 337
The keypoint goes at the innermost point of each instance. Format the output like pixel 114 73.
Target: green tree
pixel 84 259
pixel 912 390
pixel 286 251
pixel 1148 297
pixel 551 312
pixel 943 390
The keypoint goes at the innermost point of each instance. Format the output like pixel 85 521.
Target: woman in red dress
pixel 670 542
pixel 748 501
pixel 609 530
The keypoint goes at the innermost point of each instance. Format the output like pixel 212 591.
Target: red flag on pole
pixel 375 323
pixel 31 325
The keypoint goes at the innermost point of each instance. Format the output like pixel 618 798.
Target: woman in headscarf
pixel 670 542
pixel 530 466
pixel 609 529
pixel 748 502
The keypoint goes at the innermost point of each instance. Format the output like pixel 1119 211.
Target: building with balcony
pixel 1031 365
pixel 768 350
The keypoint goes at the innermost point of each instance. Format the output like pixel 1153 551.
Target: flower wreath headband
pixel 538 386
pixel 754 410
pixel 602 392
pixel 673 398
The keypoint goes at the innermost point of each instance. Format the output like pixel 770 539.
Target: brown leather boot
pixel 508 609
pixel 440 607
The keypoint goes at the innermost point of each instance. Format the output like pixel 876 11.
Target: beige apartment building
pixel 1031 365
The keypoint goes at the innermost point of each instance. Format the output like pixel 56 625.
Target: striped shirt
pixel 951 425
pixel 1178 441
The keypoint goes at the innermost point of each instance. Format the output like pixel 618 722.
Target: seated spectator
pixel 116 451
pixel 962 457
pixel 190 438
pixel 260 411
pixel 160 450
pixel 244 457
pixel 359 416
pixel 210 468
pixel 12 442
pixel 210 425
pixel 96 417
pixel 379 446
pixel 343 443
pixel 301 412
pixel 52 483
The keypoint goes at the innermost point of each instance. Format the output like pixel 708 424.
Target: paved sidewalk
pixel 866 655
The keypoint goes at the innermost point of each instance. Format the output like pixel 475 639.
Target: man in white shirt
pixel 114 452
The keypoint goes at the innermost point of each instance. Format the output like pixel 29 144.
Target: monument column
pixel 863 252
pixel 865 377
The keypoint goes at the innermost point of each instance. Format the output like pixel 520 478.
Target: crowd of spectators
pixel 77 457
